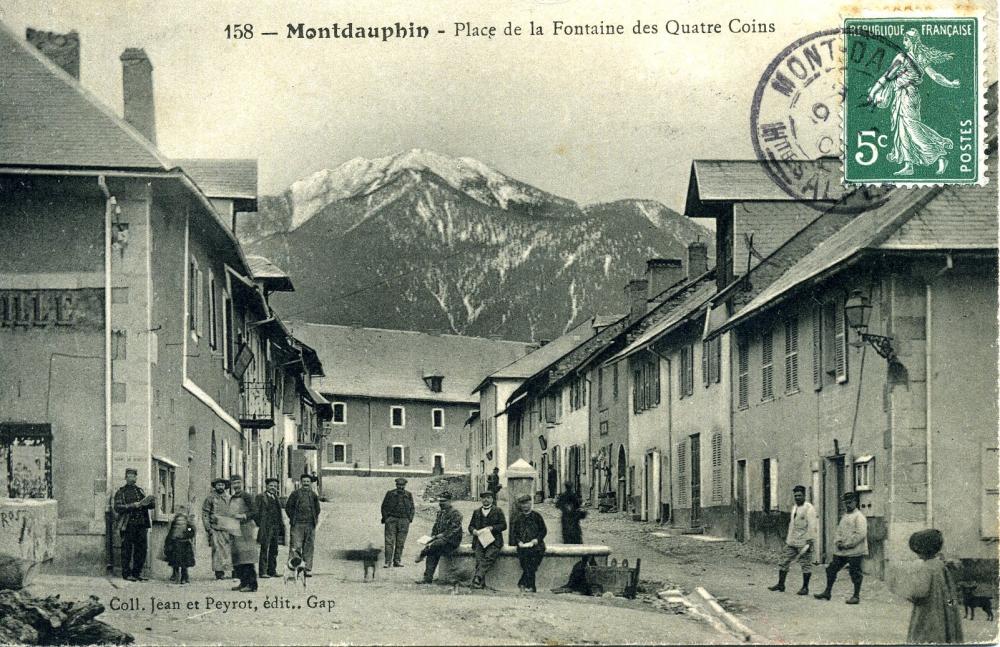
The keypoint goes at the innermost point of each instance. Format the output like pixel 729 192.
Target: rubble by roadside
pixel 458 486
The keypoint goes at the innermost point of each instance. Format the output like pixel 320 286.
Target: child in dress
pixel 178 549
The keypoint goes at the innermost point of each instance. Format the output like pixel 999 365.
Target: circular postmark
pixel 796 123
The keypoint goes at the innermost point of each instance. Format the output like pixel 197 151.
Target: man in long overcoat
pixel 216 505
pixel 132 507
pixel 243 508
pixel 492 517
pixel 270 528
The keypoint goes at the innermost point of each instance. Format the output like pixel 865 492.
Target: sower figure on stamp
pixel 851 546
pixel 132 507
pixel 397 515
pixel 446 535
pixel 799 542
pixel 245 550
pixel 527 532
pixel 270 528
pixel 487 526
pixel 217 505
pixel 303 515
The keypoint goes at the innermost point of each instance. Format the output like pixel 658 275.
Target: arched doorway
pixel 622 469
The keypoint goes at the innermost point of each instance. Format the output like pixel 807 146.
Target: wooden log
pixel 15 572
pixel 95 632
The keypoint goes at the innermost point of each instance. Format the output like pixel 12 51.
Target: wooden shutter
pixel 347 454
pixel 600 386
pixel 388 455
pixel 655 367
pixel 690 376
pixel 989 493
pixel 774 484
pixel 743 371
pixel 636 387
pixel 717 468
pixel 614 391
pixel 817 347
pixel 767 365
pixel 791 355
pixel 406 455
pixel 839 343
pixel 716 360
pixel 681 474
pixel 705 368
pixel 331 456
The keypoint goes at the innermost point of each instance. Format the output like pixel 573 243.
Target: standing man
pixel 446 535
pixel 493 482
pixel 569 506
pixel 132 507
pixel 553 478
pixel 217 505
pixel 302 508
pixel 488 517
pixel 527 532
pixel 799 542
pixel 271 527
pixel 851 546
pixel 397 515
pixel 246 553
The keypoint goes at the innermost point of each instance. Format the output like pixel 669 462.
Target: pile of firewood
pixel 458 486
pixel 25 619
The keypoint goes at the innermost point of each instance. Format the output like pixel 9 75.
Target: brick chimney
pixel 635 298
pixel 61 49
pixel 661 273
pixel 137 90
pixel 697 259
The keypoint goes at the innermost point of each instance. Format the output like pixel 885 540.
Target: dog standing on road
pixel 296 568
pixel 973 601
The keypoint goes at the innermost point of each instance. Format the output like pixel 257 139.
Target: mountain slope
pixel 423 242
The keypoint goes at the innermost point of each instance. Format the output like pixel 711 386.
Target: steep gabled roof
pixel 391 364
pixel 48 119
pixel 223 178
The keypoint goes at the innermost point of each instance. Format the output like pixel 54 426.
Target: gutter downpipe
pixel 109 204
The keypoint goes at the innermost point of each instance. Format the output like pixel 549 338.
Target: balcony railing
pixel 257 405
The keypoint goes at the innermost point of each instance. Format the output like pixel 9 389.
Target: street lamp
pixel 857 310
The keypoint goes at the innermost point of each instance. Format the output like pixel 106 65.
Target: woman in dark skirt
pixel 178 549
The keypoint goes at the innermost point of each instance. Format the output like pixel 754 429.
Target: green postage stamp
pixel 914 103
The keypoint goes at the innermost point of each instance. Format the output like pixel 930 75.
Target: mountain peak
pixel 361 176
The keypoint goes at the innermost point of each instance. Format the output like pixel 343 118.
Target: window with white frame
pixel 338 453
pixel 437 418
pixel 195 297
pixel 864 473
pixel 834 342
pixel 397 417
pixel 163 487
pixel 339 413
pixel 397 455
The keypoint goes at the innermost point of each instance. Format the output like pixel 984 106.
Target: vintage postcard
pixel 565 321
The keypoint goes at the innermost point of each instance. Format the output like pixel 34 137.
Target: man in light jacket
pixel 851 546
pixel 799 542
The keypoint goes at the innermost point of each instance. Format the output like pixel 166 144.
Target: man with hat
pixel 527 532
pixel 446 535
pixel 490 517
pixel 799 541
pixel 851 546
pixel 302 508
pixel 397 515
pixel 216 505
pixel 270 528
pixel 246 553
pixel 132 507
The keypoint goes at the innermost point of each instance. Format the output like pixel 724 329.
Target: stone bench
pixel 553 572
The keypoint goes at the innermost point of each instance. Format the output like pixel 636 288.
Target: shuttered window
pixel 767 365
pixel 682 477
pixel 339 453
pixel 706 351
pixel 711 361
pixel 817 348
pixel 743 373
pixel 792 355
pixel 600 387
pixel 614 383
pixel 397 455
pixel 646 387
pixel 988 483
pixel 686 377
pixel 840 343
pixel 717 468
pixel 636 391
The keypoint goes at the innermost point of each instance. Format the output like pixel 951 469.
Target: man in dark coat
pixel 527 532
pixel 491 518
pixel 446 535
pixel 132 507
pixel 493 482
pixel 569 505
pixel 397 514
pixel 270 528
pixel 553 478
pixel 302 508
pixel 246 553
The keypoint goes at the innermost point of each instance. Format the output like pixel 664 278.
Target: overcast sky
pixel 590 118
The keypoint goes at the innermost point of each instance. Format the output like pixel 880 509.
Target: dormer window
pixel 434 382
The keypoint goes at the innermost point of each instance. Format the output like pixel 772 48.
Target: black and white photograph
pixel 566 321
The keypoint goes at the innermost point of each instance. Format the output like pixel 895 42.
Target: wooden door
pixel 695 459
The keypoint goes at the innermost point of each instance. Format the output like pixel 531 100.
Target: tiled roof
pixel 958 218
pixel 48 119
pixel 223 178
pixel 742 181
pixel 538 360
pixel 375 362
pixel 272 276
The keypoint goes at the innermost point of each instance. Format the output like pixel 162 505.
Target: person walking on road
pixel 216 505
pixel 302 508
pixel 270 528
pixel 132 507
pixel 487 526
pixel 527 532
pixel 493 482
pixel 446 535
pixel 932 591
pixel 397 515
pixel 851 546
pixel 246 552
pixel 799 542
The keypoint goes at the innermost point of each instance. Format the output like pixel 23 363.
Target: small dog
pixel 973 601
pixel 296 568
pixel 370 560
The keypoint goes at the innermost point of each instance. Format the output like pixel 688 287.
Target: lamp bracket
pixel 881 344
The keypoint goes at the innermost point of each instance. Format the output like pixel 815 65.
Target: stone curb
pixel 728 619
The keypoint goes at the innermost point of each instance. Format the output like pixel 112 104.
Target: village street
pixel 394 609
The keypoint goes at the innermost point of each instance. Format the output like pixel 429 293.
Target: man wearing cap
pixel 302 508
pixel 851 546
pixel 132 507
pixel 489 516
pixel 397 515
pixel 216 505
pixel 493 482
pixel 527 532
pixel 799 542
pixel 270 528
pixel 446 535
pixel 246 553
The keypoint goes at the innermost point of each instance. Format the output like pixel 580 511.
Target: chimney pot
pixel 661 273
pixel 697 258
pixel 636 298
pixel 137 92
pixel 61 49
